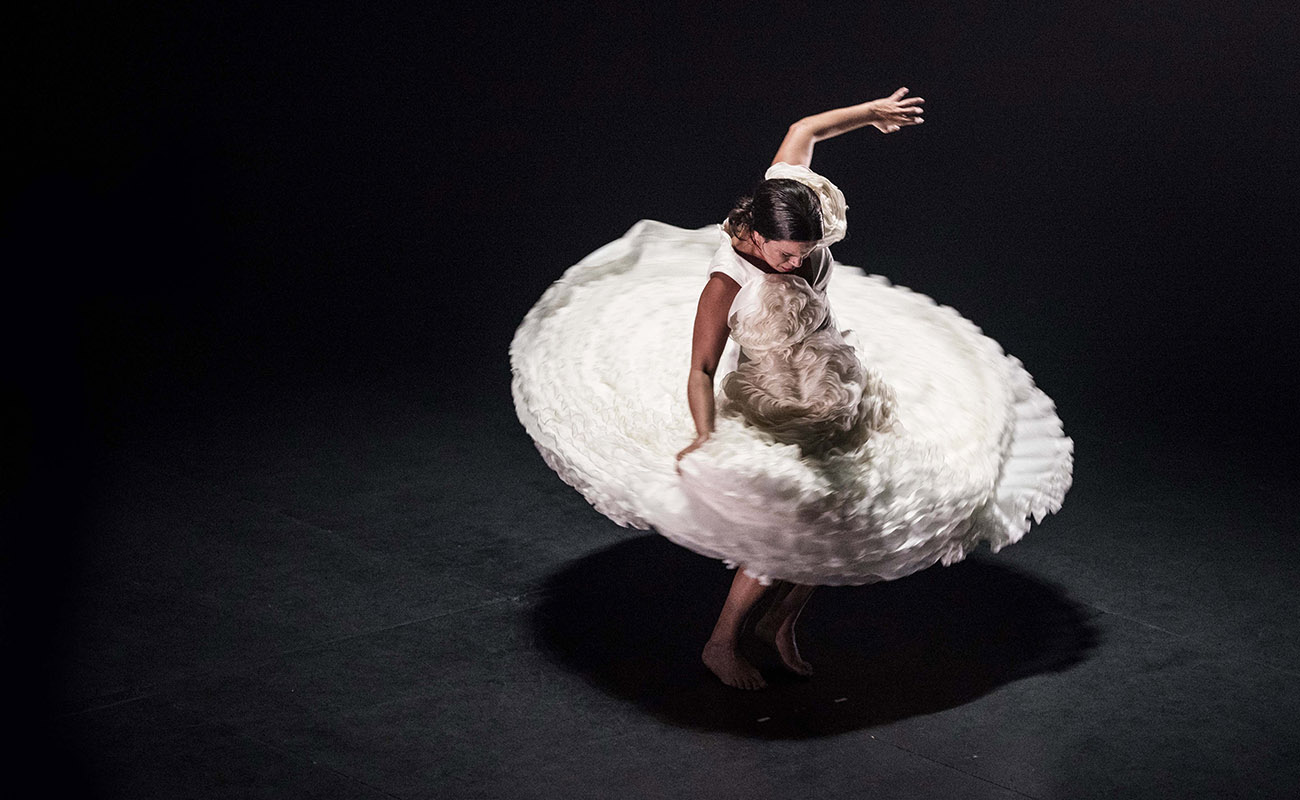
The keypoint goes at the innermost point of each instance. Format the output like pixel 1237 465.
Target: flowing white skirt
pixel 599 382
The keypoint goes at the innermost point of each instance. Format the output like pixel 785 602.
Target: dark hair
pixel 780 209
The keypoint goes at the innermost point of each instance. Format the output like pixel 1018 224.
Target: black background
pixel 206 200
pixel 217 190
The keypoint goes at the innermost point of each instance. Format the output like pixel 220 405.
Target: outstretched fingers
pixel 911 109
pixel 898 111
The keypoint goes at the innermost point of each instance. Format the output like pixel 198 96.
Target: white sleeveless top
pixel 727 261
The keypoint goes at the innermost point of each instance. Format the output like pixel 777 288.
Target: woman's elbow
pixel 801 129
pixel 705 369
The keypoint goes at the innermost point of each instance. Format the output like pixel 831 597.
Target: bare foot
pixel 723 661
pixel 781 636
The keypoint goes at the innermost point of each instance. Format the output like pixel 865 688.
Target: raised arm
pixel 709 339
pixel 888 114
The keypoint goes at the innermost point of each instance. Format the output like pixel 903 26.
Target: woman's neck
pixel 746 250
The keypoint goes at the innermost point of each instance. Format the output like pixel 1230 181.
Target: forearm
pixel 797 147
pixel 828 124
pixel 699 394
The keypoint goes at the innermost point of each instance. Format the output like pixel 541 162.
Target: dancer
pixel 822 455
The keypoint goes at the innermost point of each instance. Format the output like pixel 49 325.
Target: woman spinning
pixel 837 448
pixel 777 231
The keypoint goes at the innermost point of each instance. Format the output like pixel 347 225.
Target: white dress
pixel 850 446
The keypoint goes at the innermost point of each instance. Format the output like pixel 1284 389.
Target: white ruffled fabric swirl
pixel 956 445
pixel 799 381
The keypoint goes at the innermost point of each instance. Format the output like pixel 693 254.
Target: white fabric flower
pixel 835 222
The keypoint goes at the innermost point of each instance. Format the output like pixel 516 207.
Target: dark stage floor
pixel 272 529
pixel 381 590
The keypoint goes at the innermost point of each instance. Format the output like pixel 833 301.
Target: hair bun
pixel 742 216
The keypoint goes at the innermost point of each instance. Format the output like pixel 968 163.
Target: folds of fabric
pixel 955 444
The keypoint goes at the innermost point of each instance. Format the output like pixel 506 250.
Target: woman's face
pixel 782 255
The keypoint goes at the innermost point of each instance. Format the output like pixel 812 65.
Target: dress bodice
pixel 730 263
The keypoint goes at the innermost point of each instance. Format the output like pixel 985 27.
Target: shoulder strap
pixel 823 275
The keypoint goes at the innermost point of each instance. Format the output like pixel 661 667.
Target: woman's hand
pixel 693 446
pixel 893 113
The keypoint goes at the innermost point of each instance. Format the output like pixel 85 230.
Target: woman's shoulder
pixel 726 262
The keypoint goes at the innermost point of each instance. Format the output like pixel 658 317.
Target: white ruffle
pixel 799 382
pixel 972 449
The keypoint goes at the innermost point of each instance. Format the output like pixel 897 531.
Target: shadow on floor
pixel 633 618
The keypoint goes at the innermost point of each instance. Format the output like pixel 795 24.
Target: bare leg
pixel 720 654
pixel 777 627
pixel 777 592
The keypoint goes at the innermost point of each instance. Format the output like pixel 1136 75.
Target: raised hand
pixel 889 114
pixel 893 113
